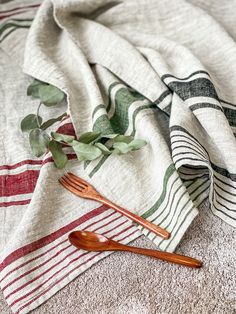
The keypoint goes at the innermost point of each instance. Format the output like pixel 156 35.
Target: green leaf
pixel 103 148
pixel 89 137
pixel 30 122
pixel 62 137
pixel 123 138
pixel 33 88
pixel 50 95
pixel 59 157
pixel 86 151
pixel 121 148
pixel 137 144
pixel 38 142
pixel 110 136
pixel 50 122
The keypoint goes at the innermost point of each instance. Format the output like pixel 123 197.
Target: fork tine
pixel 68 187
pixel 76 183
pixel 65 182
pixel 77 179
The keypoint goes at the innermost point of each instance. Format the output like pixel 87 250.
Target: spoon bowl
pixel 90 241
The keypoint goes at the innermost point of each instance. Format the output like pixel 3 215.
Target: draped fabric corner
pixel 129 67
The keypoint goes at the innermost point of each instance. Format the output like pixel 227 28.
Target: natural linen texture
pixel 163 71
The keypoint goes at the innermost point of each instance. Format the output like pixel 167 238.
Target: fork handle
pixel 141 221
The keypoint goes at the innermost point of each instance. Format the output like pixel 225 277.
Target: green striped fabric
pixel 11 25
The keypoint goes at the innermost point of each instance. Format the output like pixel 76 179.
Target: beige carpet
pixel 117 285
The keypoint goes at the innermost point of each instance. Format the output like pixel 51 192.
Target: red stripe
pixel 21 163
pixel 17 184
pixel 52 248
pixel 14 13
pixel 45 272
pixel 33 269
pixel 67 129
pixel 32 259
pixel 14 203
pixel 20 8
pixel 66 275
pixel 64 267
pixel 45 262
pixel 8 15
pixel 29 248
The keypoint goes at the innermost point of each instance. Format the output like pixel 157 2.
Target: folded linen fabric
pixel 128 67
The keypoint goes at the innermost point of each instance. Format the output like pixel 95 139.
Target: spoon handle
pixel 165 256
pixel 138 219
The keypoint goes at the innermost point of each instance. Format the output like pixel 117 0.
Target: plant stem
pixel 37 115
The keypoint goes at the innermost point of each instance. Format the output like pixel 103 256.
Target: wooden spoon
pixel 90 241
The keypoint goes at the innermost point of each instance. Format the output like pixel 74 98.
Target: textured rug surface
pixel 172 289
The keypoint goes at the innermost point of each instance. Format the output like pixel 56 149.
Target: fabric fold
pixel 131 68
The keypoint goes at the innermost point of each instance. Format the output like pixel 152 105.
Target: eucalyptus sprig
pixel 89 146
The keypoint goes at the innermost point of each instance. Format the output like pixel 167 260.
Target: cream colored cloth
pixel 162 71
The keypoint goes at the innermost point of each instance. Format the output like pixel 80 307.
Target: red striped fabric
pixel 52 248
pixel 15 203
pixel 21 163
pixel 29 248
pixel 18 10
pixel 17 184
pixel 71 271
pixel 66 266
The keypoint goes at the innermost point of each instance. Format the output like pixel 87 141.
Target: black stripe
pixel 194 177
pixel 220 210
pixel 232 186
pixel 195 168
pixel 184 146
pixel 192 74
pixel 204 105
pixel 224 172
pixel 200 87
pixel 226 102
pixel 184 78
pixel 189 144
pixel 185 153
pixel 195 159
pixel 230 115
pixel 233 210
pixel 179 128
pixel 220 187
pixel 162 97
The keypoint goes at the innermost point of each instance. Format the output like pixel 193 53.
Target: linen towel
pixel 129 67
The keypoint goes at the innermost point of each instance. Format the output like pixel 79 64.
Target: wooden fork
pixel 83 189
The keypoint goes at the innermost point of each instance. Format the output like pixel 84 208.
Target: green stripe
pixel 109 94
pixel 136 112
pixel 187 214
pixel 181 210
pixel 98 108
pixel 124 98
pixel 13 25
pixel 170 170
pixel 103 125
pixel 170 212
pixel 6 35
pixel 95 169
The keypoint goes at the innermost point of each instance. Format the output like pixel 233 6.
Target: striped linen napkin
pixel 135 68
